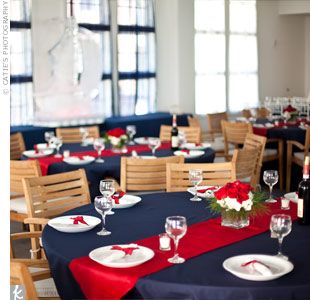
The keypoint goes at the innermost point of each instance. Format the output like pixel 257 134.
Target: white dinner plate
pixel 193 146
pixel 127 201
pixel 278 266
pixel 42 153
pixel 192 153
pixel 138 256
pixel 207 194
pixel 65 223
pixel 147 157
pixel 292 196
pixel 142 140
pixel 74 160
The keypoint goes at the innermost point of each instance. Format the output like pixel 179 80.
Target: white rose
pixel 247 205
pixel 232 203
pixel 114 140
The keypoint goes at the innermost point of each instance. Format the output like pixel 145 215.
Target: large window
pixel 225 55
pixel 136 56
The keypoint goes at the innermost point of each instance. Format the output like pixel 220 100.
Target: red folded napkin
pixel 258 266
pixel 185 151
pixel 78 219
pixel 118 196
pixel 128 250
pixel 198 145
pixel 212 188
pixel 35 147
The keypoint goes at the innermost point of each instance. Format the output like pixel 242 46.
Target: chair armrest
pixel 36 221
pixel 25 235
pixel 297 144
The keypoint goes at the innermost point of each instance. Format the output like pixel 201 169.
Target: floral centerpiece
pixel 236 201
pixel 290 113
pixel 117 138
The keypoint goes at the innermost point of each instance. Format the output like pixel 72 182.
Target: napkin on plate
pixel 258 266
pixel 78 219
pixel 117 196
pixel 185 151
pixel 211 188
pixel 120 252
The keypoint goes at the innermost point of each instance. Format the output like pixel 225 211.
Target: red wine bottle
pixel 303 209
pixel 174 134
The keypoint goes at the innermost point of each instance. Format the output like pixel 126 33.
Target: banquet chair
pixel 138 174
pixel 194 122
pixel 73 135
pixel 18 171
pixel 234 134
pixel 52 195
pixel 262 112
pixel 213 174
pixel 17 146
pixel 33 273
pixel 192 134
pixel 246 113
pixel 247 165
pixel 296 157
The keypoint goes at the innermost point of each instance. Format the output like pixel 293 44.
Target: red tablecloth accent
pixel 260 131
pixel 100 282
pixel 46 161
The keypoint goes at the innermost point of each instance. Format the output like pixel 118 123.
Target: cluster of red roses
pixel 290 109
pixel 116 132
pixel 235 190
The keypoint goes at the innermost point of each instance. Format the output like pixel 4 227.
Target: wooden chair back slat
pixel 213 174
pixel 145 175
pixel 17 146
pixel 214 123
pixel 192 134
pixel 73 135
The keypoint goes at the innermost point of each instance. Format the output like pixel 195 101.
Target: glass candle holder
pixel 164 242
pixel 285 203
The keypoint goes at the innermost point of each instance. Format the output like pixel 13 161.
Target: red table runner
pixel 100 282
pixel 45 162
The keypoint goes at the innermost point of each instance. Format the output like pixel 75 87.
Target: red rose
pixel 289 108
pixel 221 193
pixel 116 132
pixel 237 190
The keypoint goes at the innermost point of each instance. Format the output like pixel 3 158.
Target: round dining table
pixel 200 277
pixel 111 166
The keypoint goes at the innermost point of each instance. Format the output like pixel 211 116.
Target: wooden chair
pixel 138 174
pixel 192 134
pixel 26 271
pixel 262 112
pixel 17 146
pixel 194 122
pixel 213 174
pixel 18 171
pixel 247 165
pixel 73 135
pixel 234 134
pixel 246 113
pixel 296 157
pixel 51 195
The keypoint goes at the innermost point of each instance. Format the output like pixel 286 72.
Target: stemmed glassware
pixel 84 133
pixel 131 131
pixel 195 177
pixel 107 189
pixel 281 226
pixel 154 143
pixel 103 205
pixel 271 177
pixel 57 141
pixel 48 135
pixel 99 146
pixel 176 228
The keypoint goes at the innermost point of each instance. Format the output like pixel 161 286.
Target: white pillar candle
pixel 285 203
pixel 164 242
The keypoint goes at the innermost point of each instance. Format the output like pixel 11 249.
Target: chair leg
pixel 280 153
pixel 289 166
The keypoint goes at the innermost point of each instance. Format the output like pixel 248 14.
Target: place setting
pixel 189 153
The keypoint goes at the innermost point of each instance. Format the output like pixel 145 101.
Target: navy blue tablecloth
pixel 201 277
pixel 111 166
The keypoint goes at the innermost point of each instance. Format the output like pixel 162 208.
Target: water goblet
pixel 84 133
pixel 103 205
pixel 176 228
pixel 57 142
pixel 48 135
pixel 99 146
pixel 280 226
pixel 131 131
pixel 271 177
pixel 107 189
pixel 195 177
pixel 153 144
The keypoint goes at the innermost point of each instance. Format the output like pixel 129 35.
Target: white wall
pixel 281 48
pixel 294 6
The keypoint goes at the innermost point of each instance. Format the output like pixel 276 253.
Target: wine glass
pixel 176 228
pixel 57 142
pixel 281 226
pixel 48 135
pixel 103 205
pixel 270 178
pixel 107 189
pixel 154 143
pixel 131 131
pixel 182 139
pixel 84 133
pixel 195 177
pixel 99 146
